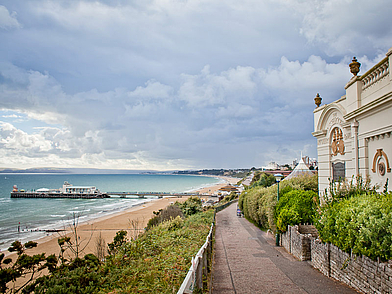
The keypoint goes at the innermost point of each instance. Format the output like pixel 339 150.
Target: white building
pixel 271 166
pixel 354 132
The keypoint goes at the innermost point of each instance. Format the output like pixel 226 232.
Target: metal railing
pixel 201 263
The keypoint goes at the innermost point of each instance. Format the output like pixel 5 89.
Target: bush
pixel 262 179
pixel 258 203
pixel 191 206
pixel 158 261
pixel 295 207
pixel 361 223
pixel 166 214
pixel 229 198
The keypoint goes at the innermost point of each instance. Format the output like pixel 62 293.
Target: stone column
pixel 354 130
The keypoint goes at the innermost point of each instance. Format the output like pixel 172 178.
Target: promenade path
pixel 247 261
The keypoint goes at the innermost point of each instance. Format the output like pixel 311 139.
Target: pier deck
pixel 34 194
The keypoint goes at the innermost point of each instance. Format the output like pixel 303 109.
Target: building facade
pixel 354 132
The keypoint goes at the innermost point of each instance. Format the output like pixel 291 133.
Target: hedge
pixel 361 224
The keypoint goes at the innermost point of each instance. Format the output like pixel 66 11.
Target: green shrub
pixel 295 207
pixel 361 223
pixel 262 179
pixel 258 203
pixel 191 206
pixel 345 189
pixel 169 213
pixel 229 198
pixel 158 261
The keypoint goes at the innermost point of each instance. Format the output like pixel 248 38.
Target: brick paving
pixel 247 261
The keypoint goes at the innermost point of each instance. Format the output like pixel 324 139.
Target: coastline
pixel 131 220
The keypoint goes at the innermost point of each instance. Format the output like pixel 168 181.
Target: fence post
pixel 199 272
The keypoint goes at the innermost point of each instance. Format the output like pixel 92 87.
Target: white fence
pixel 201 262
pixel 199 268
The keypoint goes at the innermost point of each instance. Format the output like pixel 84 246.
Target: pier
pixel 155 194
pixel 140 195
pixel 57 195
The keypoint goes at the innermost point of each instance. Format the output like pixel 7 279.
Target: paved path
pixel 247 261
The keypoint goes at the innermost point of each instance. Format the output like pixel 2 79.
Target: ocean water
pixel 33 216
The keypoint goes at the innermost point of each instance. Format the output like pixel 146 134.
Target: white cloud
pixel 8 20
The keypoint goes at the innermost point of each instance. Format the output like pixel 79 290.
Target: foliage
pixel 118 241
pixel 25 266
pixel 361 223
pixel 258 203
pixel 166 214
pixel 157 262
pixel 229 198
pixel 295 207
pixel 344 190
pixel 262 179
pixel 191 206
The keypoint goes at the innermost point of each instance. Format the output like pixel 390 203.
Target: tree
pixel 119 240
pixel 73 243
pixel 25 266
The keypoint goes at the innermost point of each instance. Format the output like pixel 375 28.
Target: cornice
pixel 319 133
pixel 369 106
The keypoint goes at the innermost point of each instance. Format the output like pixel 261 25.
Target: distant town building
pixel 354 132
pixel 271 166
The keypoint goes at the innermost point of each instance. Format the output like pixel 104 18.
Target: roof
pixel 228 188
pixel 42 190
pixel 299 170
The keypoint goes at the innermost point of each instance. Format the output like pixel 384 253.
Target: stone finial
pixel 317 100
pixel 355 66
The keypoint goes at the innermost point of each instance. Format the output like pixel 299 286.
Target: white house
pixel 354 132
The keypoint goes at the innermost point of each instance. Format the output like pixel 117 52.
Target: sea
pixel 26 219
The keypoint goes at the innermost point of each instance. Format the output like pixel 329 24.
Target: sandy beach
pixel 132 220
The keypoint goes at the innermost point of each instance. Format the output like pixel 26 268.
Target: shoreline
pixel 132 220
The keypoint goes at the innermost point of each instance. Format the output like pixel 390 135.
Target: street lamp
pixel 278 178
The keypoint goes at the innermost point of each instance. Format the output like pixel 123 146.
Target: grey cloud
pixel 177 83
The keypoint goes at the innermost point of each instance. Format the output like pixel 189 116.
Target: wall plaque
pixel 338 171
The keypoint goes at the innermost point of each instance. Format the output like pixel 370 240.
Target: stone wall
pixel 320 256
pixel 285 239
pixel 297 241
pixel 359 272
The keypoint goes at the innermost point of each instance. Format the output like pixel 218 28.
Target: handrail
pixel 199 267
pixel 201 262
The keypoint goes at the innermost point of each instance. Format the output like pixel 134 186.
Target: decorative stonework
pixel 322 141
pixel 376 75
pixel 381 168
pixel 377 137
pixel 335 121
pixel 378 164
pixel 317 100
pixel 337 145
pixel 355 66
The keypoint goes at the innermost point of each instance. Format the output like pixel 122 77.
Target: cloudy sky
pixel 175 84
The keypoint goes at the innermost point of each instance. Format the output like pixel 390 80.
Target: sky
pixel 175 84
